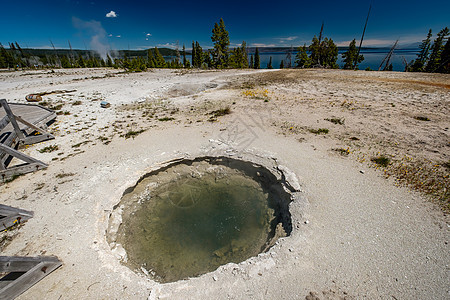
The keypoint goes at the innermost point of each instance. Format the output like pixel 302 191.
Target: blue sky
pixel 145 24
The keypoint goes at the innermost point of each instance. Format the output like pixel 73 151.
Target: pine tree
pixel 269 65
pixel 150 59
pixel 207 62
pixel 65 62
pixel 252 64
pixel 109 62
pixel 184 57
pixel 244 53
pixel 81 62
pixel 7 61
pixel 301 59
pixel 197 56
pixel 444 66
pixel 193 54
pixel 314 49
pixel 422 58
pixel 282 64
pixel 221 41
pixel 329 54
pixel 256 64
pixel 159 59
pixel 436 51
pixel 349 57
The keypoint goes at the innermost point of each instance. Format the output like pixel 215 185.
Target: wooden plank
pixel 19 155
pixel 11 215
pixel 23 263
pixel 21 169
pixel 32 126
pixel 5 209
pixel 4 122
pixel 30 278
pixel 13 121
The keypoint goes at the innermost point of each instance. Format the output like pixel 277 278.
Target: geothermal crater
pixel 194 215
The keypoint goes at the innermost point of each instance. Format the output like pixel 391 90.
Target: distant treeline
pixel 321 53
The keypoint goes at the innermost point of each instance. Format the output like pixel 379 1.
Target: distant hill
pixel 85 53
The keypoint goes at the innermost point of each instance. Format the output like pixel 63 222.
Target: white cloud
pixel 287 39
pixel 110 35
pixel 168 45
pixel 262 45
pixel 118 36
pixel 148 34
pixel 111 14
pixel 404 40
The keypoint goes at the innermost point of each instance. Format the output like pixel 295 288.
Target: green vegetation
pixel 381 160
pixel 422 118
pixel 221 40
pixel 269 65
pixel 49 149
pixel 63 175
pixel 165 119
pixel 319 131
pixel 256 63
pixel 433 57
pixel 322 54
pixel 342 151
pixel 349 57
pixel 133 133
pixel 218 113
pixel 337 121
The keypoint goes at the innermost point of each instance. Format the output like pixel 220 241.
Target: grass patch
pixel 342 151
pixel 133 133
pixel 221 112
pixel 79 144
pixel 56 107
pixel 338 121
pixel 165 119
pixel 381 160
pixel 12 178
pixel 422 118
pixel 104 140
pixel 218 113
pixel 64 175
pixel 49 149
pixel 319 131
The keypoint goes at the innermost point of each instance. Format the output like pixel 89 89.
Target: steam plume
pixel 97 33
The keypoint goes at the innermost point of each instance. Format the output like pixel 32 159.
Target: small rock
pixel 290 249
pixel 306 222
pixel 215 278
pixel 361 171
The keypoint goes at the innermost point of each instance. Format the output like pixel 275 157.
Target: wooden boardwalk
pixel 22 124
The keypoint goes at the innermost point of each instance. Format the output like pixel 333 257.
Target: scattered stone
pixel 361 171
pixel 215 278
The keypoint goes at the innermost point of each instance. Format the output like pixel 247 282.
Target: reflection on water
pixel 192 225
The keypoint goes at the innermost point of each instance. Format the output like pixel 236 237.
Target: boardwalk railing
pixel 12 135
pixel 10 216
pixel 23 272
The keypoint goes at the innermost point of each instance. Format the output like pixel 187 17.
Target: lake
pixel 372 58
